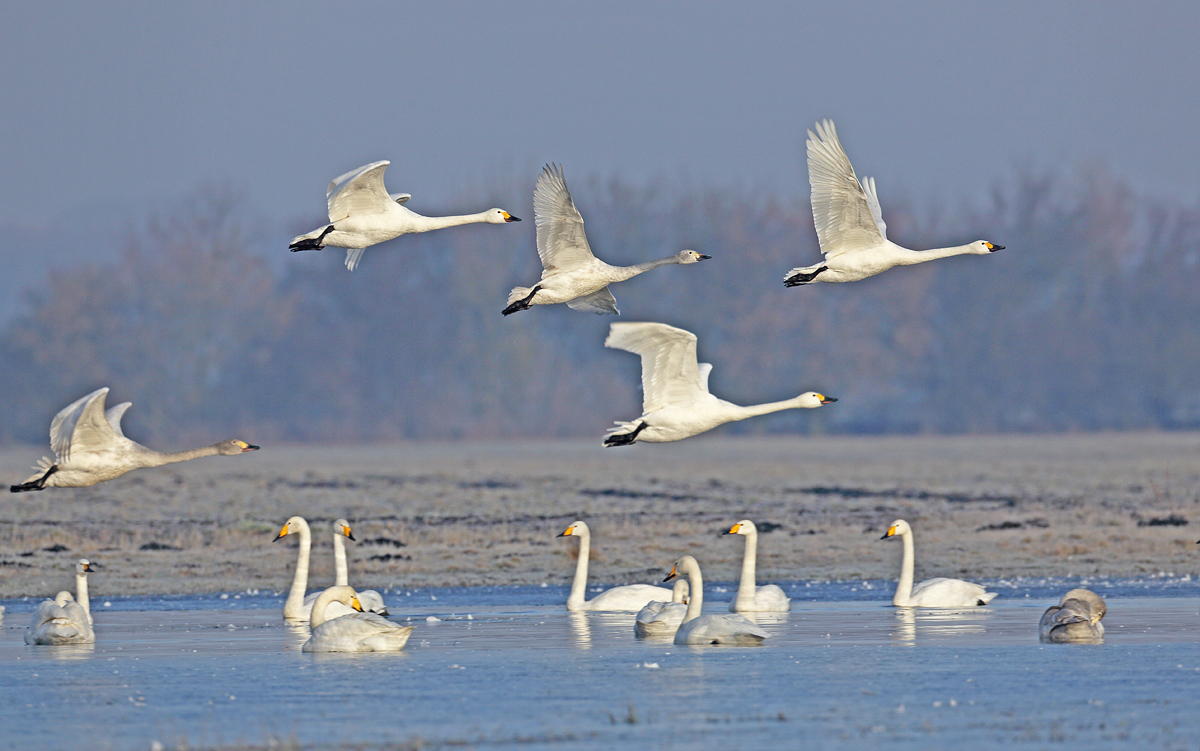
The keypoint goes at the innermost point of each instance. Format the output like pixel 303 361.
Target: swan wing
pixel 82 426
pixel 400 198
pixel 705 368
pixel 359 632
pixel 629 598
pixel 358 192
pixel 868 184
pixel 842 213
pixel 949 593
pixel 670 373
pixel 114 415
pixel 63 425
pixel 601 303
pixel 720 628
pixel 561 242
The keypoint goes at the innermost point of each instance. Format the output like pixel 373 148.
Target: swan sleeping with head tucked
pixel 663 618
pixel 849 222
pixel 751 598
pixel 932 593
pixel 356 632
pixel 631 597
pixel 65 619
pixel 1076 618
pixel 716 628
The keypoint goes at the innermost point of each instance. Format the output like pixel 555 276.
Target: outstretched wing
pixel 82 426
pixel 842 214
pixel 868 184
pixel 561 243
pixel 358 192
pixel 62 427
pixel 670 374
pixel 114 415
pixel 601 303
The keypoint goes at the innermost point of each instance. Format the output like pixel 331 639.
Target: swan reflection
pixel 939 623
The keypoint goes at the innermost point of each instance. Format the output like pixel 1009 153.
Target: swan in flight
pixel 362 213
pixel 371 600
pixel 65 619
pixel 716 628
pixel 932 593
pixel 356 632
pixel 768 598
pixel 89 447
pixel 571 274
pixel 663 618
pixel 631 597
pixel 849 221
pixel 1076 618
pixel 675 399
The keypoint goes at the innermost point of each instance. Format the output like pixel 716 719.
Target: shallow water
pixel 509 665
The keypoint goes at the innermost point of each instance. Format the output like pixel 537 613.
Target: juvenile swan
pixel 362 213
pixel 718 628
pixel 932 593
pixel 571 274
pixel 663 618
pixel 849 221
pixel 89 447
pixel 1076 618
pixel 64 620
pixel 675 399
pixel 631 597
pixel 356 632
pixel 768 598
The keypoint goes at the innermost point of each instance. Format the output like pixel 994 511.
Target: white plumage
pixel 356 632
pixel 631 597
pixel 715 628
pixel 931 593
pixel 751 598
pixel 663 618
pixel 65 619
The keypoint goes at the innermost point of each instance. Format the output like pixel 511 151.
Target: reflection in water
pixel 939 622
pixel 581 631
pixel 297 634
pixel 69 651
pixel 592 628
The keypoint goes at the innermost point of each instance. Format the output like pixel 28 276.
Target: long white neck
pixel 696 593
pixel 318 609
pixel 156 459
pixel 428 223
pixel 293 608
pixel 621 273
pixel 342 574
pixel 909 257
pixel 81 593
pixel 575 600
pixel 747 587
pixel 754 410
pixel 904 587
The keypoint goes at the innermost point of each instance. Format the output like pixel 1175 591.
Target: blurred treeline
pixel 1089 320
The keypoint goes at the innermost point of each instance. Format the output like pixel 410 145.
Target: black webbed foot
pixel 38 484
pixel 310 243
pixel 522 304
pixel 798 279
pixel 624 439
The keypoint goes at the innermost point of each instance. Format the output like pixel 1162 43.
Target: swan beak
pixel 509 217
pixel 567 532
pixel 247 446
pixel 702 257
pixel 994 248
pixel 827 399
pixel 346 531
pixel 355 604
pixel 671 575
pixel 732 530
pixel 281 535
pixel 891 531
pixel 91 566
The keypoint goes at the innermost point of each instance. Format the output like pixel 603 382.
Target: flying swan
pixel 663 618
pixel 356 632
pixel 716 628
pixel 1076 618
pixel 64 620
pixel 362 213
pixel 571 274
pixel 932 593
pixel 631 597
pixel 89 447
pixel 768 598
pixel 675 399
pixel 849 222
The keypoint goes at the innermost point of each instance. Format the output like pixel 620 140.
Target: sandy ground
pixel 488 513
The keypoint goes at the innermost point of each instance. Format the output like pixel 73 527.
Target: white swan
pixel 675 399
pixel 1076 618
pixel 89 447
pixel 571 274
pixel 631 597
pixel 362 213
pixel 716 628
pixel 932 593
pixel 356 632
pixel 371 600
pixel 64 620
pixel 298 606
pixel 768 598
pixel 663 618
pixel 849 222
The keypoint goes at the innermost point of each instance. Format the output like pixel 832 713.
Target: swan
pixel 89 447
pixel 1076 618
pixel 571 274
pixel 768 598
pixel 298 606
pixel 717 628
pixel 849 222
pixel 64 620
pixel 631 597
pixel 356 632
pixel 371 601
pixel 675 399
pixel 362 213
pixel 932 593
pixel 663 618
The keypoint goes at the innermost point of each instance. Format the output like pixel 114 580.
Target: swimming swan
pixel 716 628
pixel 356 632
pixel 571 274
pixel 371 601
pixel 631 597
pixel 362 213
pixel 89 447
pixel 298 606
pixel 849 222
pixel 64 620
pixel 663 618
pixel 932 593
pixel 1076 618
pixel 768 598
pixel 675 399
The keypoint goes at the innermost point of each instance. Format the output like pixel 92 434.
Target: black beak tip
pixel 512 218
pixel 351 536
pixel 997 247
pixel 669 577
pixel 277 538
pixel 829 400
pixel 704 257
pixel 250 447
pixel 885 536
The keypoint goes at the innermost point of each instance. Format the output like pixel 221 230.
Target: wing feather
pixel 842 213
pixel 601 303
pixel 561 242
pixel 114 415
pixel 62 427
pixel 670 373
pixel 358 192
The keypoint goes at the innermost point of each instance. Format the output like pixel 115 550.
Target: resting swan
pixel 1076 618
pixel 362 213
pixel 631 597
pixel 768 598
pixel 675 399
pixel 89 447
pixel 570 273
pixel 64 620
pixel 932 593
pixel 663 618
pixel 717 628
pixel 849 222
pixel 356 632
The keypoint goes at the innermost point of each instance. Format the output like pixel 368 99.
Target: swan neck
pixel 905 585
pixel 695 593
pixel 575 600
pixel 157 459
pixel 765 409
pixel 428 223
pixel 747 586
pixel 342 573
pixel 621 273
pixel 81 593
pixel 318 610
pixel 293 608
pixel 909 257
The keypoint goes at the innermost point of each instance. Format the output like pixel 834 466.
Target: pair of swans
pixel 849 222
pixel 354 632
pixel 66 619
pixel 1076 618
pixel 570 272
pixel 715 628
pixel 298 606
pixel 932 593
pixel 676 403
pixel 629 598
pixel 362 213
pixel 89 447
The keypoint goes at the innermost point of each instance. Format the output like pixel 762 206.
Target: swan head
pixel 85 567
pixel 896 529
pixel 744 527
pixel 682 566
pixel 499 216
pixel 577 529
pixel 233 446
pixel 690 256
pixel 342 527
pixel 983 247
pixel 813 399
pixel 290 527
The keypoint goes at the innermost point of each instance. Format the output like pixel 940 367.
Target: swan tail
pixel 987 597
pixel 353 256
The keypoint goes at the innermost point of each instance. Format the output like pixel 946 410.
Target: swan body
pixel 768 598
pixel 630 598
pixel 1076 618
pixel 65 619
pixel 89 447
pixel 849 222
pixel 570 273
pixel 356 632
pixel 676 403
pixel 362 213
pixel 663 618
pixel 932 593
pixel 715 628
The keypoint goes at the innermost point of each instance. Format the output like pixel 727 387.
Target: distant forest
pixel 1089 320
